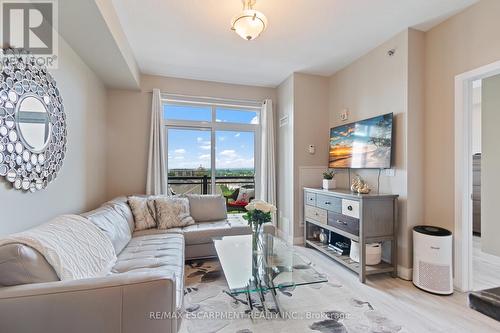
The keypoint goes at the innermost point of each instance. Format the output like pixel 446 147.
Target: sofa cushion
pixel 113 223
pixel 237 221
pixel 172 212
pixel 160 252
pixel 143 215
pixel 121 205
pixel 205 208
pixel 203 233
pixel 157 232
pixel 21 264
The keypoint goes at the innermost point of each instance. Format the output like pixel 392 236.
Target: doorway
pixel 477 252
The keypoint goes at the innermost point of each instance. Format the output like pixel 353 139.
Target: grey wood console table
pixel 365 218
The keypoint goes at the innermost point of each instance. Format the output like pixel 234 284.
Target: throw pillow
pixel 172 213
pixel 207 207
pixel 245 194
pixel 143 216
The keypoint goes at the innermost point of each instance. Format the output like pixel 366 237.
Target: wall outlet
pixel 344 114
pixel 311 149
pixel 390 172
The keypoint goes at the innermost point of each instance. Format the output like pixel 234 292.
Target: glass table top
pixel 274 265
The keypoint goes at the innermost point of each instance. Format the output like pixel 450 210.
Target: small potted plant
pixel 329 182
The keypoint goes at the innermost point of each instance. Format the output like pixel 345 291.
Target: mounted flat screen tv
pixel 365 144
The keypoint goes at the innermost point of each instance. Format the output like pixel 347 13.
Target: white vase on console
pixel 329 184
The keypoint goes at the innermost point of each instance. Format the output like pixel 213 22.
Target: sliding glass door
pixel 189 160
pixel 235 163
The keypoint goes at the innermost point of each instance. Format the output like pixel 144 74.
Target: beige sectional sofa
pixel 143 292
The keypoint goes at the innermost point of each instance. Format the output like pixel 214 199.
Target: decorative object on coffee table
pixel 32 123
pixel 258 213
pixel 329 182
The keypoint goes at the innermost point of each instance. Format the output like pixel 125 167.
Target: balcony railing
pixel 203 184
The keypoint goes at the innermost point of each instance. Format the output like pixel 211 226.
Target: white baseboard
pixel 405 273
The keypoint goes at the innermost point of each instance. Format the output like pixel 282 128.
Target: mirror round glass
pixel 33 123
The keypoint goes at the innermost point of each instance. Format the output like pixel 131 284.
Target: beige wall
pixel 423 102
pixel 490 165
pixel 128 117
pixel 303 98
pixel 376 84
pixel 464 42
pixel 415 165
pixel 284 161
pixel 310 128
pixel 81 183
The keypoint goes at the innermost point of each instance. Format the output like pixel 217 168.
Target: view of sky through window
pixel 187 112
pixel 234 150
pixel 190 148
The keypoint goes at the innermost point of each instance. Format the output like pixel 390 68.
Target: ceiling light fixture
pixel 250 23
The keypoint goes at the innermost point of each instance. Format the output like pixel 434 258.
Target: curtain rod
pixel 211 98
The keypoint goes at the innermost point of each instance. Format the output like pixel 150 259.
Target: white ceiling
pixel 97 18
pixel 192 38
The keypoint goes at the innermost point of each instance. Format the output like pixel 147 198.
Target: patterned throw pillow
pixel 245 194
pixel 172 212
pixel 143 216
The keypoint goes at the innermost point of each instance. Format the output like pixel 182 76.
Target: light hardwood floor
pixel 485 267
pixel 416 310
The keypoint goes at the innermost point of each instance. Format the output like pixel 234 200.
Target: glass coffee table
pixel 273 266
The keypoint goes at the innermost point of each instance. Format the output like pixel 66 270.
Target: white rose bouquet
pixel 258 213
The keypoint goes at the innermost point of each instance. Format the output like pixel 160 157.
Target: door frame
pixel 463 173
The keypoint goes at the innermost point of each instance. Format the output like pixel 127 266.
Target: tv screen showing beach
pixel 363 144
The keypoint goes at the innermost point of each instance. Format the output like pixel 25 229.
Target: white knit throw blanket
pixel 75 247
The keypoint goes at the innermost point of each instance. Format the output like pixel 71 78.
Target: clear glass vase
pixel 256 238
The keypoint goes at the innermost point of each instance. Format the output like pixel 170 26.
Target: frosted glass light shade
pixel 249 24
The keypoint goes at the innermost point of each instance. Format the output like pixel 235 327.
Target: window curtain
pixel 268 166
pixel 157 167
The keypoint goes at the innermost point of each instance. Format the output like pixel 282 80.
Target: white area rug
pixel 326 308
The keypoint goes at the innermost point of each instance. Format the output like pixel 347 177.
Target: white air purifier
pixel 432 259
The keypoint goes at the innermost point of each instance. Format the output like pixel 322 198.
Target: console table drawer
pixel 329 203
pixel 342 222
pixel 350 208
pixel 310 199
pixel 316 214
